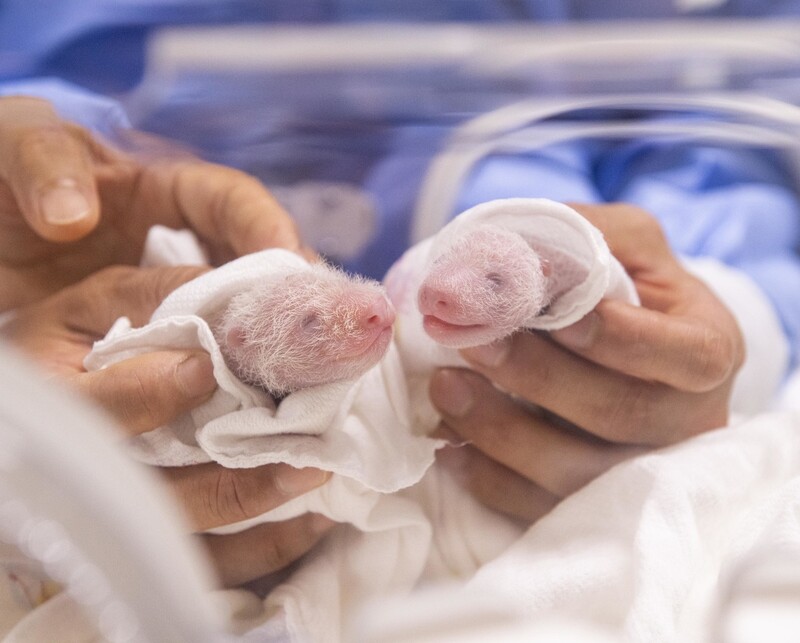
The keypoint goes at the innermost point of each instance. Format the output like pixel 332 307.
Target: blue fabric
pixel 737 205
pixel 97 113
pixel 734 204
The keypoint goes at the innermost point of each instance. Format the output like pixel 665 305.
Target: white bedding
pixel 683 544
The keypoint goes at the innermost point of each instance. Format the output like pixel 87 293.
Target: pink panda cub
pixel 313 327
pixel 483 287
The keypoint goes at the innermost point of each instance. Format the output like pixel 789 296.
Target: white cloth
pixel 644 548
pixel 582 272
pixel 357 429
pixel 699 542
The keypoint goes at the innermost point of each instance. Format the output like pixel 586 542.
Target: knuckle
pixel 110 280
pixel 161 282
pixel 639 219
pixel 629 416
pixel 531 378
pixel 239 192
pixel 272 554
pixel 82 302
pixel 79 133
pixel 638 230
pixel 277 552
pixel 227 500
pixel 144 409
pixel 37 143
pixel 117 275
pixel 116 283
pixel 713 360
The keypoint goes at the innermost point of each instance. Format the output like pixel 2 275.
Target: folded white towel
pixel 358 429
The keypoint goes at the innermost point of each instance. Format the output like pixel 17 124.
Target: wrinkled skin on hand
pixel 147 391
pixel 71 205
pixel 541 415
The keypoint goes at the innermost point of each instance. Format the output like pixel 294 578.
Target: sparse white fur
pixel 484 286
pixel 313 327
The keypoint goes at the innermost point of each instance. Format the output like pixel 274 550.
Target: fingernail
pixel 491 355
pixel 64 204
pixel 195 376
pixel 293 482
pixel 581 334
pixel 451 393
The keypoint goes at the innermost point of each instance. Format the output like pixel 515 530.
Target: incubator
pixel 376 129
pixel 370 135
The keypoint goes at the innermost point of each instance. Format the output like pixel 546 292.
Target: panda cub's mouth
pixel 448 333
pixel 373 346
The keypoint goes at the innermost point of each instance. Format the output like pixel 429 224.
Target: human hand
pixel 147 391
pixel 621 381
pixel 70 205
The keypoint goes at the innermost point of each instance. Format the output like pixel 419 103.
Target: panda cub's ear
pixel 235 337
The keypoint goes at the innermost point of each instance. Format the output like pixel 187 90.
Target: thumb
pixel 48 169
pixel 94 304
pixel 147 391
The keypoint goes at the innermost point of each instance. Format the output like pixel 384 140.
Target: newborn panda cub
pixel 484 286
pixel 314 327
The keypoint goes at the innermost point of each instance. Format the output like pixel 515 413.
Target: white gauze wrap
pixel 582 272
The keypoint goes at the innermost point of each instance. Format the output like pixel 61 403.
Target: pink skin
pixel 314 327
pixel 484 286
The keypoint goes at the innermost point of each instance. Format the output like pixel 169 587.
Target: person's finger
pixel 242 211
pixel 214 495
pixel 230 210
pixel 495 485
pixel 48 169
pixel 264 549
pixel 685 352
pixel 148 391
pixel 95 303
pixel 634 236
pixel 612 405
pixel 559 460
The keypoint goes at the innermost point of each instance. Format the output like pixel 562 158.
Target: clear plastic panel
pixel 313 110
